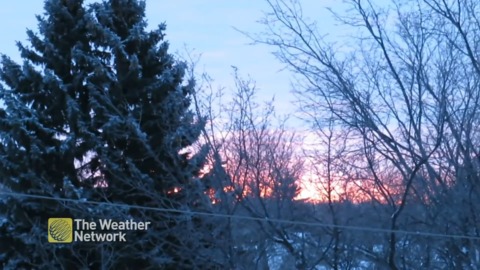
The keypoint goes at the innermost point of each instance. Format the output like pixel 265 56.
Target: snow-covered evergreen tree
pixel 99 110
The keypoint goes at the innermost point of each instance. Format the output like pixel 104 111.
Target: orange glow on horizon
pixel 313 188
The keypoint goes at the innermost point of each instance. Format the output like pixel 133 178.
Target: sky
pixel 206 28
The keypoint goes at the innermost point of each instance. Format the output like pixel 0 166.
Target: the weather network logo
pixel 60 230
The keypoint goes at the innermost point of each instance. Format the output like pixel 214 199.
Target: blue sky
pixel 207 27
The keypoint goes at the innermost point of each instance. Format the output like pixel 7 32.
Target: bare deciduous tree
pixel 260 177
pixel 407 91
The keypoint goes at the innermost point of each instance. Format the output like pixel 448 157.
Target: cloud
pixel 215 55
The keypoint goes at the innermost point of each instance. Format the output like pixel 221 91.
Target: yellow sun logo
pixel 60 230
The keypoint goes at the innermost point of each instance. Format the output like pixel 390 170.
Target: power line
pixel 272 220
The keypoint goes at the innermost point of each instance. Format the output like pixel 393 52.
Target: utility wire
pixel 265 219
